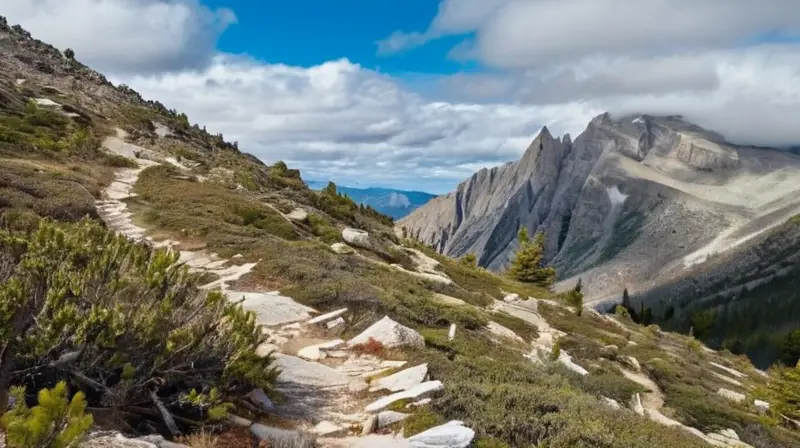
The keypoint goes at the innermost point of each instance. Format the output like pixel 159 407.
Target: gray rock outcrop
pixel 391 334
pixel 625 204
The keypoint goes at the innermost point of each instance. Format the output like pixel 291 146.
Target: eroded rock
pixel 415 392
pixel 391 334
pixel 450 435
pixel 403 380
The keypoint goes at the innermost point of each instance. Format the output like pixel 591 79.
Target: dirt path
pixel 314 391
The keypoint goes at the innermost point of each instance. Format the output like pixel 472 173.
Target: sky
pixel 419 94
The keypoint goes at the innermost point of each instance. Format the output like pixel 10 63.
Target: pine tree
pixel 527 264
pixel 56 422
pixel 575 297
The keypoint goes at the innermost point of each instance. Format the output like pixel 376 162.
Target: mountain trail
pixel 320 397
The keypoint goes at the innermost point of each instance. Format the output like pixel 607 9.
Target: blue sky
pixel 420 94
pixel 310 32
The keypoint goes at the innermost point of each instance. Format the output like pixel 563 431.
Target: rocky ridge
pixel 634 201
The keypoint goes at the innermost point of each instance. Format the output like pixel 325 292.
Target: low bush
pixel 420 421
pixel 324 229
pixel 123 324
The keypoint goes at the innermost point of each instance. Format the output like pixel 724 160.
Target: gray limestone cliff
pixel 632 202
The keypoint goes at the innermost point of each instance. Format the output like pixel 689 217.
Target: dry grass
pixel 231 438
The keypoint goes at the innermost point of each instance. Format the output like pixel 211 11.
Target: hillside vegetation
pixel 144 340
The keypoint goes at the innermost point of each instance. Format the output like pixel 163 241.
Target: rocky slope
pixel 635 201
pixel 450 343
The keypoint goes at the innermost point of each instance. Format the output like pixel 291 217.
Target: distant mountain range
pixel 394 203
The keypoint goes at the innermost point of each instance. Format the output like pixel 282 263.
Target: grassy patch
pixel 420 421
pixel 205 210
pixel 58 192
pixel 483 281
pixel 324 229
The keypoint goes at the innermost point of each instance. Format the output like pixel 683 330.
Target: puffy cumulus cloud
pixel 535 33
pixel 750 95
pixel 124 36
pixel 709 60
pixel 342 121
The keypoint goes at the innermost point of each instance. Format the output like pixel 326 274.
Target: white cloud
pixel 125 35
pixel 339 119
pixel 536 33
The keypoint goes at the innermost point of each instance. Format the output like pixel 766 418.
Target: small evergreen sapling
pixel 56 422
pixel 527 264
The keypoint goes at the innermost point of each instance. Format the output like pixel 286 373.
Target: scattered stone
pixel 239 421
pixel 450 435
pixel 356 237
pixel 631 362
pixel 729 433
pixel 370 425
pixel 335 323
pixel 298 215
pixel 761 405
pixel 259 398
pixel 390 334
pixel 733 372
pixel 415 392
pixel 46 102
pixel 338 354
pixel 611 403
pixel 726 438
pixel 403 380
pixel 387 418
pixel 327 317
pixel 632 343
pixel 610 350
pixel 499 330
pixel 341 248
pixel 301 372
pixel 155 439
pixel 115 440
pixel 566 360
pixel 452 333
pixel 728 379
pixel 317 352
pixel 168 444
pixel 326 428
pixel 731 395
pixel 281 437
pixel 238 256
pixel 357 385
pixel 636 404
pixel 511 298
pixel 272 308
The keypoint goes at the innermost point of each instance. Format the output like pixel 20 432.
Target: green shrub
pixel 469 260
pixel 56 422
pixel 324 229
pixel 527 264
pixel 124 323
pixel 420 421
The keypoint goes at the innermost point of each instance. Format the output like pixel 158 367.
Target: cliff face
pixel 631 202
